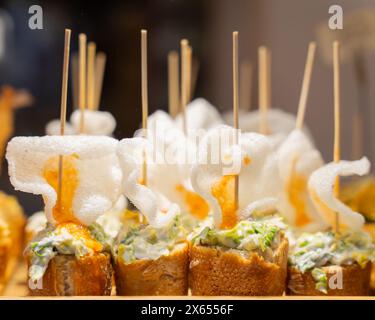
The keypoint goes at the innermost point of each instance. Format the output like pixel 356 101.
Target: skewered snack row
pixel 261 217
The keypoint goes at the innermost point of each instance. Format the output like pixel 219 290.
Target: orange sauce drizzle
pixel 296 189
pixel 63 210
pixel 223 191
pixel 197 206
pixel 82 233
pixel 246 160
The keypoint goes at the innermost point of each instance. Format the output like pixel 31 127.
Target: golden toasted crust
pixel 164 276
pixel 12 213
pixel 5 248
pixel 215 272
pixel 66 275
pixel 355 281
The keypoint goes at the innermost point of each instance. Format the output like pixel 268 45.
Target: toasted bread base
pixel 165 276
pixel 66 275
pixel 355 281
pixel 5 249
pixel 217 272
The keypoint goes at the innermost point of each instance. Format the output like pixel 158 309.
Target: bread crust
pixel 5 251
pixel 217 272
pixel 355 281
pixel 165 276
pixel 66 275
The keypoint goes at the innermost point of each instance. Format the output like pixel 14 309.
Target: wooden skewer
pixel 246 75
pixel 64 94
pixel 262 76
pixel 189 61
pixel 82 81
pixel 173 80
pixel 100 62
pixel 144 96
pixel 91 75
pixel 337 102
pixel 305 85
pixel 268 93
pixel 235 104
pixel 184 81
pixel 75 79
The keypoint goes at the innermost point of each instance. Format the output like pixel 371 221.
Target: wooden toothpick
pixel 64 86
pixel 75 79
pixel 189 67
pixel 91 75
pixel 173 83
pixel 64 94
pixel 82 81
pixel 184 81
pixel 263 87
pixel 246 81
pixel 268 79
pixel 337 102
pixel 100 62
pixel 144 96
pixel 305 85
pixel 235 105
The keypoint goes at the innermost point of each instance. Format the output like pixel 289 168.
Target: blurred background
pixel 32 59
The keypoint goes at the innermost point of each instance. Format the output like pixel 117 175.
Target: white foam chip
pixel 321 184
pixel 279 123
pixel 297 159
pixel 36 222
pixel 157 209
pixel 174 154
pixel 200 114
pixel 162 130
pixel 95 122
pixel 53 128
pixel 99 173
pixel 258 174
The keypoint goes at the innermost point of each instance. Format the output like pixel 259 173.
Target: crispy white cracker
pixel 200 114
pixel 158 210
pixel 99 173
pixel 321 184
pixel 101 123
pixel 258 176
pixel 298 157
pixel 53 128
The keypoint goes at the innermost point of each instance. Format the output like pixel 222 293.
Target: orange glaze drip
pixel 296 189
pixel 223 191
pixel 197 206
pixel 81 233
pixel 246 160
pixel 63 210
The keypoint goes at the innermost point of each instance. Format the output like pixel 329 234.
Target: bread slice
pixel 12 213
pixel 5 252
pixel 216 272
pixel 66 275
pixel 165 276
pixel 355 281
